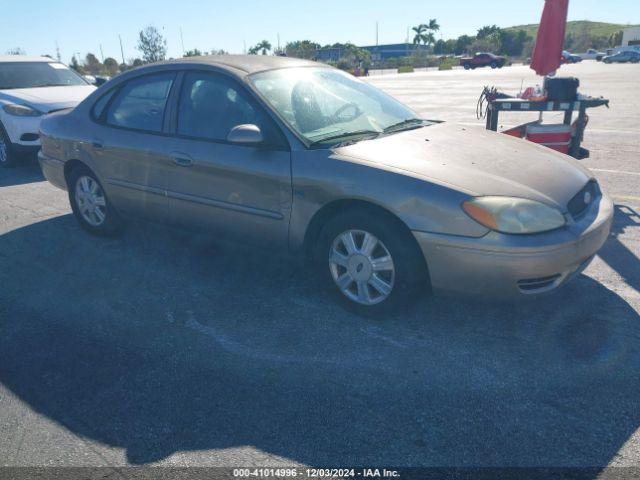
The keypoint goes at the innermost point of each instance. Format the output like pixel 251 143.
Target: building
pixel 378 52
pixel 631 37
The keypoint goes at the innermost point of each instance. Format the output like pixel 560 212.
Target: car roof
pixel 246 64
pixel 25 58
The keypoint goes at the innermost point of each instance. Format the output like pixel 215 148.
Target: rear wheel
pixel 371 263
pixel 8 156
pixel 90 204
pixel 467 66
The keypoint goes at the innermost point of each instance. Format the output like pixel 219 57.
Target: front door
pixel 235 190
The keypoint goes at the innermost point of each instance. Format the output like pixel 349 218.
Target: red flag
pixel 547 53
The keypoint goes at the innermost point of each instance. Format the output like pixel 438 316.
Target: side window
pixel 140 104
pixel 100 105
pixel 212 105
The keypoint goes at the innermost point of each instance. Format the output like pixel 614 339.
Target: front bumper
pixel 23 131
pixel 503 266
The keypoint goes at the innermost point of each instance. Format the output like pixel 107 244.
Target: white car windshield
pixel 325 105
pixel 37 74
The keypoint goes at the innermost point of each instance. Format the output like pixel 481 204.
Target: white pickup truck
pixel 591 54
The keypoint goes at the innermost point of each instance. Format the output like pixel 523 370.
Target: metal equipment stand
pixel 517 105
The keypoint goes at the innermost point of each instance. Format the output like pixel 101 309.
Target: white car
pixel 31 87
pixel 592 54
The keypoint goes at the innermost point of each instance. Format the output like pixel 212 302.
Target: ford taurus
pixel 302 157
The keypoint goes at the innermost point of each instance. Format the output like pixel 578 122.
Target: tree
pixel 425 33
pixel 152 45
pixel 16 51
pixel 75 65
pixel 92 65
pixel 615 39
pixel 218 51
pixel 264 46
pixel 488 30
pixel 302 49
pixel 512 42
pixel 462 44
pixel 110 66
pixel 193 53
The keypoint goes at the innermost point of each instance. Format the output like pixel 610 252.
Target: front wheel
pixel 494 65
pixel 8 157
pixel 90 204
pixel 370 262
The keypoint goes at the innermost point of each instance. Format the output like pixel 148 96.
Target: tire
pixel 90 203
pixel 467 66
pixel 370 290
pixel 8 157
pixel 494 65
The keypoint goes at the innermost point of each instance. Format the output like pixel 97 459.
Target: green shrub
pixel 448 63
pixel 405 69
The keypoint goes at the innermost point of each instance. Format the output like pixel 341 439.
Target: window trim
pixel 102 119
pixel 278 144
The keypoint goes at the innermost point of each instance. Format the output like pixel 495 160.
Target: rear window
pixel 141 103
pixel 37 74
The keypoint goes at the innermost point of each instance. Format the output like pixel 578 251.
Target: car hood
pixel 47 99
pixel 476 161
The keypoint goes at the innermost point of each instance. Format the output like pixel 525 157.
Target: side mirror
pixel 246 134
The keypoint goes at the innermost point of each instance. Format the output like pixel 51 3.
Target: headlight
pixel 514 215
pixel 21 110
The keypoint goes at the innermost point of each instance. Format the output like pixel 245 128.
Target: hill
pixel 579 27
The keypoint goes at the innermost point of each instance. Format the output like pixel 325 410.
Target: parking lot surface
pixel 166 348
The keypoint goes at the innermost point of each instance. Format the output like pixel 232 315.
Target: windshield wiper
pixel 407 124
pixel 338 136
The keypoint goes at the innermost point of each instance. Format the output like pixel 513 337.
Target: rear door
pixel 132 148
pixel 243 191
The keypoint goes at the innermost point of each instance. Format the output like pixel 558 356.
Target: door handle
pixel 183 161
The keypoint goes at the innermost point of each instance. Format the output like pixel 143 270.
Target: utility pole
pixel 101 53
pixel 58 52
pixel 182 41
pixel 122 50
pixel 377 31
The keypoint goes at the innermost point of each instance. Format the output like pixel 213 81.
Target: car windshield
pixel 326 106
pixel 37 74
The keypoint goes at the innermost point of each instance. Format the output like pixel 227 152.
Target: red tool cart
pixel 545 134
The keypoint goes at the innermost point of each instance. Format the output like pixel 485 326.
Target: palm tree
pixel 264 46
pixel 425 33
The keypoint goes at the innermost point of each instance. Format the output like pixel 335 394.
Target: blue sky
pixel 82 26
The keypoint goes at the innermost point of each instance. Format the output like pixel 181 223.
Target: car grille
pixel 578 204
pixel 533 285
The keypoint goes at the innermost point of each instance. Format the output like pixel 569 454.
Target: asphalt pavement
pixel 166 348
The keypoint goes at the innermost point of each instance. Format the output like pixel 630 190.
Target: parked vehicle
pixel 483 60
pixel 301 157
pixel 627 56
pixel 568 57
pixel 592 54
pixel 29 88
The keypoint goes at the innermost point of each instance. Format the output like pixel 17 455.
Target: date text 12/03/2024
pixel 315 473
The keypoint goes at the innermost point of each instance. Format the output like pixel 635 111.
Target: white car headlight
pixel 514 215
pixel 21 110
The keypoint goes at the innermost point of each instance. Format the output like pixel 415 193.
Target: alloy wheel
pixel 91 201
pixel 362 267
